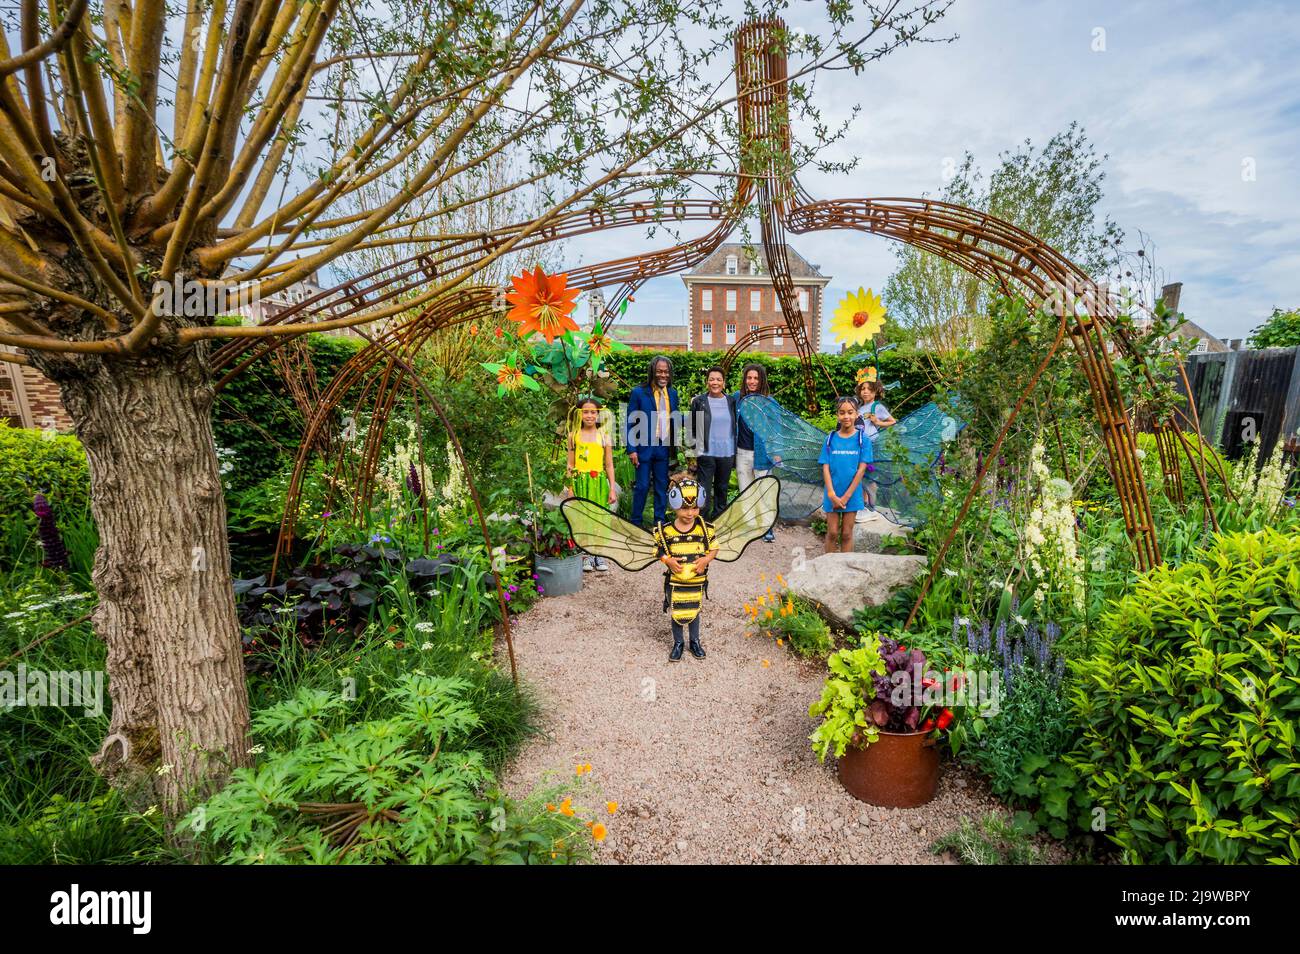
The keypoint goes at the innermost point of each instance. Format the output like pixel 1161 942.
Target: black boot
pixel 676 654
pixel 696 649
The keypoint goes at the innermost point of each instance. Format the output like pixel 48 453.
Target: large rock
pixel 871 531
pixel 839 583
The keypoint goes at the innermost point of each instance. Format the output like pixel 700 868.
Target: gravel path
pixel 709 759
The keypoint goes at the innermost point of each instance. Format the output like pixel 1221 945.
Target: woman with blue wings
pixel 914 442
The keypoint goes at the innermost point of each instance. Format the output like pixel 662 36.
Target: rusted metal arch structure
pixel 988 247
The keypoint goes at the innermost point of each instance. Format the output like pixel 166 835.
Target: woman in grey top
pixel 713 419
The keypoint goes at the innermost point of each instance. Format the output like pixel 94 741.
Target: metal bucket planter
pixel 560 576
pixel 898 770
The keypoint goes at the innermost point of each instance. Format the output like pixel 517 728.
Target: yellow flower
pixel 858 317
pixel 577 770
pixel 762 600
pixel 587 768
pixel 762 577
pixel 780 579
pixel 598 831
pixel 766 664
pixel 780 643
pixel 611 807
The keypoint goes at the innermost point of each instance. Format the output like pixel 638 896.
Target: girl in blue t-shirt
pixel 845 457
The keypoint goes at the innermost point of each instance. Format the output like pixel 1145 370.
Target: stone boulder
pixel 839 583
pixel 871 531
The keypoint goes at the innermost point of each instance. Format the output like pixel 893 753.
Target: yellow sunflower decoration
pixel 858 317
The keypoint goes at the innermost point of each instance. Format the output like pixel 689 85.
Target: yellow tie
pixel 661 406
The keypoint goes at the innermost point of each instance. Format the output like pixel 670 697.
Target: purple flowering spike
pixel 413 484
pixel 56 554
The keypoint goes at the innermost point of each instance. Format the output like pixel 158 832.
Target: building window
pixel 778 340
pixel 706 332
pixel 731 299
pixel 732 265
pixel 756 301
pixel 731 332
pixel 753 329
pixel 1202 346
pixel 803 300
pixel 753 267
pixel 706 300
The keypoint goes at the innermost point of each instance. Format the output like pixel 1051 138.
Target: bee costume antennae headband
pixel 686 493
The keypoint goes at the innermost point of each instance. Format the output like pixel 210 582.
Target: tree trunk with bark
pixel 166 606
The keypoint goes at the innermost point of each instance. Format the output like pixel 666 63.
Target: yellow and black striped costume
pixel 684 592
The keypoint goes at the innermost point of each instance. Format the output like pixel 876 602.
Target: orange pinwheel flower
pixel 510 377
pixel 543 304
pixel 598 831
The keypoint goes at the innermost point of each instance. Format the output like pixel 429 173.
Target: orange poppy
pixel 611 807
pixel 598 831
pixel 542 304
pixel 566 807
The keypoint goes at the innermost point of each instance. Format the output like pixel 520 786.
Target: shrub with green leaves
pixel 403 789
pixel 33 462
pixel 1190 708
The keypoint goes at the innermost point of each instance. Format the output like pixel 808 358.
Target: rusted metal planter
pixel 898 770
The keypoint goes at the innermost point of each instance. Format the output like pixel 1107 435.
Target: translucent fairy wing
pixel 604 533
pixel 794 446
pixel 905 458
pixel 748 517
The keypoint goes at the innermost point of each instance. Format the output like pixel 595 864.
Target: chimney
pixel 1170 294
pixel 1234 344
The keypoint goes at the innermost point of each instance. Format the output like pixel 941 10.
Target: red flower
pixel 927 725
pixel 945 719
pixel 902 649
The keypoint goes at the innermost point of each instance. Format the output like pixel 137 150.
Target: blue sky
pixel 1184 98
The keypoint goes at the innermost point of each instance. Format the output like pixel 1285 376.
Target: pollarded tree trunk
pixel 166 606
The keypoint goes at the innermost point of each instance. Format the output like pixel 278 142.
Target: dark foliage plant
pixel 335 595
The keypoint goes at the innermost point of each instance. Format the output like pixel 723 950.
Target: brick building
pixel 30 399
pixel 730 294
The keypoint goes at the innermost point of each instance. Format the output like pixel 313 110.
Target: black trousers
pixel 715 474
pixel 678 631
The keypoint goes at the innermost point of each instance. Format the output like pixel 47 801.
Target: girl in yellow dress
pixel 591 466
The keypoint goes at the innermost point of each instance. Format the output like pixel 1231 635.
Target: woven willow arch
pixel 988 247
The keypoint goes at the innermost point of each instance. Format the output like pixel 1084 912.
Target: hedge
pixel 784 376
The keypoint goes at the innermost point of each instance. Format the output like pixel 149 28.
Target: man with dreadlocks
pixel 686 547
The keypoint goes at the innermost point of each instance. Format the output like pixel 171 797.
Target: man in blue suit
pixel 650 434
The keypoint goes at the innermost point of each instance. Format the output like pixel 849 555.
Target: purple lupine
pixel 986 640
pixel 1002 640
pixel 413 484
pixel 56 554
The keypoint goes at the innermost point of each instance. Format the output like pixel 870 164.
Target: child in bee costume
pixel 685 545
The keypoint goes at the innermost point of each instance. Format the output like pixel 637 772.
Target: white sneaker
pixel 586 565
pixel 601 565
